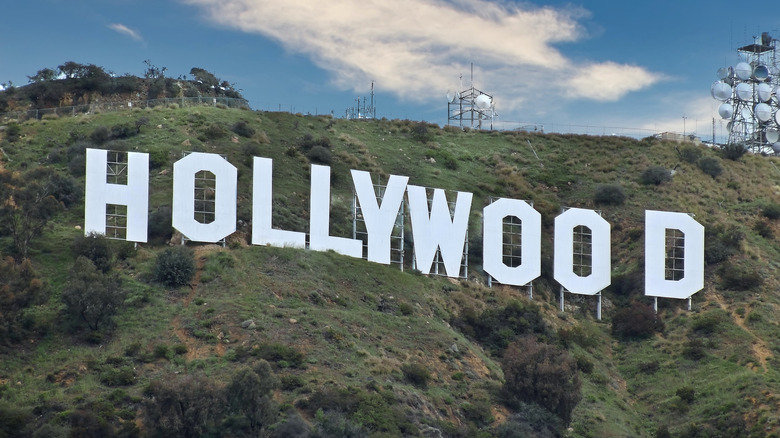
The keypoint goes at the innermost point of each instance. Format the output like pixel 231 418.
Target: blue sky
pixel 632 69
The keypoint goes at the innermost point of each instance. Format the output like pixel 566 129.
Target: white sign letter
pixel 493 242
pixel 135 195
pixel 319 232
pixel 656 284
pixel 564 274
pixel 226 176
pixel 379 220
pixel 262 200
pixel 438 229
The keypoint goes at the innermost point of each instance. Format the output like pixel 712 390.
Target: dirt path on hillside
pixel 759 347
pixel 195 349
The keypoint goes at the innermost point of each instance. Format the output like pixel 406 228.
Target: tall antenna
pixel 363 111
pixel 748 92
pixel 470 104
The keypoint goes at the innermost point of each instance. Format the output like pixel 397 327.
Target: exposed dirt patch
pixel 759 347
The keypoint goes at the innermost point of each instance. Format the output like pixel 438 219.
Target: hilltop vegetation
pixel 101 337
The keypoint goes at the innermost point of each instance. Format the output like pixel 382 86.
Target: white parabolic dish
pixel 772 135
pixel 482 101
pixel 763 112
pixel 744 92
pixel 764 91
pixel 720 90
pixel 726 110
pixel 743 71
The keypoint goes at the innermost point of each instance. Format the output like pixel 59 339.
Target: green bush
pixel 320 155
pixel 711 166
pixel 540 373
pixel 243 129
pixel 739 278
pixel 690 153
pixel 655 175
pixel 771 211
pixel 733 151
pixel 95 247
pixel 609 194
pixel 90 295
pixel 495 329
pixel 686 394
pixel 416 374
pixel 638 321
pixel 175 266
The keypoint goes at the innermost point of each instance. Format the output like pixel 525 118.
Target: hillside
pixel 289 342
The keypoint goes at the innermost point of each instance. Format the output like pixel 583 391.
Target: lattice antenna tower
pixel 749 92
pixel 470 106
pixel 365 109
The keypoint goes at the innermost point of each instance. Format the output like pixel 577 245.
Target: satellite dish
pixel 764 91
pixel 722 73
pixel 760 73
pixel 763 112
pixel 772 136
pixel 744 91
pixel 743 71
pixel 720 90
pixel 450 97
pixel 482 101
pixel 726 110
pixel 776 147
pixel 777 117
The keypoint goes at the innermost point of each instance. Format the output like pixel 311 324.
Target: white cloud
pixel 121 28
pixel 417 48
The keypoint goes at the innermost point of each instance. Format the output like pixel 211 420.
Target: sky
pixel 583 67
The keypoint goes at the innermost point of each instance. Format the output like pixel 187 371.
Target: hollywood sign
pixel 434 228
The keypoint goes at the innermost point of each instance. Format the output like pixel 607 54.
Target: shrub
pixel 20 288
pixel 733 151
pixel 175 266
pixel 421 132
pixel 739 278
pixel 540 373
pixel 764 229
pixel 90 295
pixel 100 135
pixel 689 153
pixel 686 394
pixel 97 248
pixel 160 228
pixel 243 129
pixel 711 166
pixel 214 132
pixel 638 321
pixel 191 405
pixel 655 175
pixel 720 243
pixel 497 328
pixel 320 155
pixel 771 211
pixel 277 353
pixel 416 374
pixel 609 194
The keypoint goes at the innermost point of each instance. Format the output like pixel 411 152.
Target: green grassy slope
pixel 338 322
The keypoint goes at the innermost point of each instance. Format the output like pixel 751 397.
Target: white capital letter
pixel 135 195
pixel 226 176
pixel 493 242
pixel 438 229
pixel 319 232
pixel 379 220
pixel 656 284
pixel 262 199
pixel 564 274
